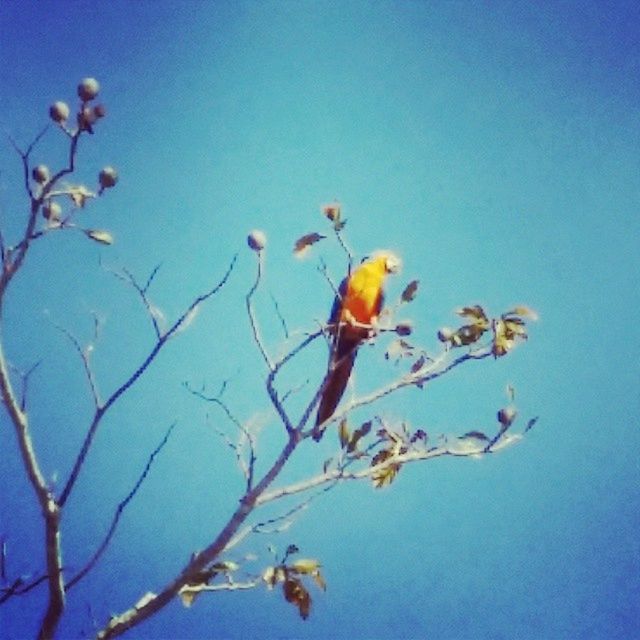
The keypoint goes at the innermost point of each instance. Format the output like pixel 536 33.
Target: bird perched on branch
pixel 353 317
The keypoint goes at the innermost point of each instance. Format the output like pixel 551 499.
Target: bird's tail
pixel 340 366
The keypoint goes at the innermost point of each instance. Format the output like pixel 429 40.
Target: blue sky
pixel 494 146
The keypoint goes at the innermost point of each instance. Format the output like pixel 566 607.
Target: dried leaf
pixel 386 475
pixel 332 211
pixel 477 435
pixel 410 291
pixel 103 237
pixel 343 433
pixel 398 348
pixel 306 566
pixel 319 580
pixel 357 435
pixel 418 364
pixel 506 441
pixel 226 566
pixel 188 595
pixel 476 314
pixel 303 243
pixel 522 310
pixel 79 195
pixel 296 594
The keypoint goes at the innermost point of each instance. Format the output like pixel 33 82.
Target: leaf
pixel 476 314
pixel 358 434
pixel 319 580
pixel 332 211
pixel 303 243
pixel 410 291
pixel 530 424
pixel 188 595
pixel 398 348
pixel 343 433
pixel 226 566
pixel 506 441
pixel 306 566
pixel 386 475
pixel 272 575
pixel 103 237
pixel 79 195
pixel 296 594
pixel 418 364
pixel 524 311
pixel 477 435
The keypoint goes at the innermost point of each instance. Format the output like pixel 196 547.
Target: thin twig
pixel 131 380
pixel 118 513
pixel 280 317
pixel 84 354
pixel 252 318
pixel 246 468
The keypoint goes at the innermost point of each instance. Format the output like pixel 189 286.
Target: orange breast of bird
pixel 363 298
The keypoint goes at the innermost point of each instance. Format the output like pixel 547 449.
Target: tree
pixel 373 450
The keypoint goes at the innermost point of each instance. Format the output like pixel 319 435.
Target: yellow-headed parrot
pixel 355 309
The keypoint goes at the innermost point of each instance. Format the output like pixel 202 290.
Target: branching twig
pixel 84 354
pixel 246 468
pixel 130 381
pixel 280 317
pixel 116 517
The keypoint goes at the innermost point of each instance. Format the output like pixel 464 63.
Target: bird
pixel 354 315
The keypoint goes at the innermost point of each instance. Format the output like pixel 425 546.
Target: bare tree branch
pixel 130 381
pixel 245 435
pixel 117 515
pixel 84 353
pixel 140 612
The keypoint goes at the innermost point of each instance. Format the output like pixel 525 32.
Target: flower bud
pixel 445 334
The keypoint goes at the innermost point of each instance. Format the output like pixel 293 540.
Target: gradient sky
pixel 495 146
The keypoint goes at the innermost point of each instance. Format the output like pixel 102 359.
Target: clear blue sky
pixel 494 146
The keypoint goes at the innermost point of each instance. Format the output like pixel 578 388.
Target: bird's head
pixel 389 261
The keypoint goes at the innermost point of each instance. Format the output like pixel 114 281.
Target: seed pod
pixel 88 89
pixel 59 112
pixel 51 211
pixel 506 416
pixel 257 240
pixel 41 174
pixel 404 328
pixel 108 177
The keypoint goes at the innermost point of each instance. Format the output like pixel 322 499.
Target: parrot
pixel 354 314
